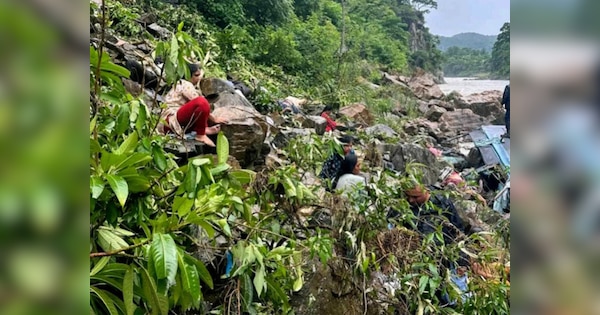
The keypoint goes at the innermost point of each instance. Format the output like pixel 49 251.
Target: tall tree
pixel 500 61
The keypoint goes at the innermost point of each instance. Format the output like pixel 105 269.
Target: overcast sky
pixel 460 16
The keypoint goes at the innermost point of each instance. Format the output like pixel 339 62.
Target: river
pixel 466 86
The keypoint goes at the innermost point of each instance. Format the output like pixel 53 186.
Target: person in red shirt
pixel 331 124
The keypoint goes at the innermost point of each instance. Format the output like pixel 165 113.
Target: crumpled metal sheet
pixel 488 140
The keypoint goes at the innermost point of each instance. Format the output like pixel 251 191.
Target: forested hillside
pixel 473 41
pixel 475 55
pixel 308 44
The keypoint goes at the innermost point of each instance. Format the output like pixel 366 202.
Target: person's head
pixel 346 144
pixel 417 195
pixel 327 109
pixel 194 73
pixel 350 165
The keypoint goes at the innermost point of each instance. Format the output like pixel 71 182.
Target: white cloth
pixel 347 183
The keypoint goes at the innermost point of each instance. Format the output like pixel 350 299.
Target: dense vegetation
pixel 465 62
pixel 151 218
pixel 500 59
pixel 473 41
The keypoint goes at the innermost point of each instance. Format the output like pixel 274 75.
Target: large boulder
pixel 231 98
pixel 424 87
pixel 285 135
pixel 459 121
pixel 246 132
pixel 358 113
pixel 485 104
pixel 434 113
pixel 215 86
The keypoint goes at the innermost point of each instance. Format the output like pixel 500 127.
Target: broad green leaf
pixel 259 280
pixel 128 145
pixel 189 278
pixel 128 291
pixel 151 293
pixel 119 186
pixel 159 158
pixel 190 181
pixel 201 161
pixel 274 290
pixel 219 169
pixel 174 50
pixel 243 176
pixel 247 291
pixel 109 241
pixel 182 205
pixel 222 148
pixel 99 265
pixel 207 175
pixel 111 67
pixel 96 186
pixel 108 302
pixel 423 283
pixel 142 117
pixel 290 189
pixel 163 252
pixel 111 279
pixel 203 273
pixel 132 159
pixel 138 183
pixel 298 284
pixel 94 148
pixel 93 124
pixel 224 226
pixel 180 26
pixel 118 302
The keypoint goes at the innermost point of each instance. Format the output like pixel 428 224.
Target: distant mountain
pixel 468 40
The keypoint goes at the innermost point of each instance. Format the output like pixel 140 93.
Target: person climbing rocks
pixel 332 166
pixel 506 103
pixel 331 124
pixel 187 110
pixel 348 178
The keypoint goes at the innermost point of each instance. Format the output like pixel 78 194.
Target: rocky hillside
pixel 249 226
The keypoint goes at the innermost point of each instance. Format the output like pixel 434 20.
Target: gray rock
pixel 285 135
pixel 402 154
pixel 317 122
pixel 158 31
pixel 381 132
pixel 434 113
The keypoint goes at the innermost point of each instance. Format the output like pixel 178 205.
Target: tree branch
pixel 115 252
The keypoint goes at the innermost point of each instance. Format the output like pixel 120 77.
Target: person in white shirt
pixel 348 176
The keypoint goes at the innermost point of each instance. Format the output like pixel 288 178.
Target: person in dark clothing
pixel 332 166
pixel 506 103
pixel 428 217
pixel 239 85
